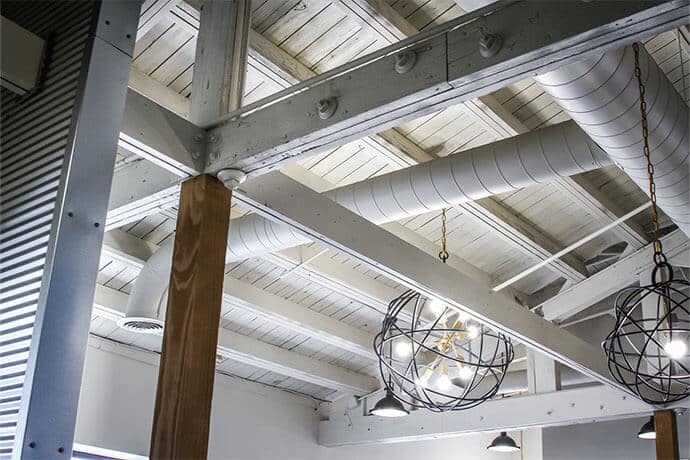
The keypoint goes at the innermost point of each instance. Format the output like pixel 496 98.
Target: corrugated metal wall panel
pixel 32 145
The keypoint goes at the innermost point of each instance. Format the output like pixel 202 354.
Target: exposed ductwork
pixel 532 158
pixel 145 311
pixel 601 95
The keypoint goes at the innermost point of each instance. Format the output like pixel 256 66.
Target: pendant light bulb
pixel 465 373
pixel 472 331
pixel 676 348
pixel 444 382
pixel 437 307
pixel 403 348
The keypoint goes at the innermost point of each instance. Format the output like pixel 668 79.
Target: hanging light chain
pixel 443 255
pixel 658 250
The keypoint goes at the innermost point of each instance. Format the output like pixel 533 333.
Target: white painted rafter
pixel 595 403
pixel 110 304
pixel 611 279
pixel 277 310
pixel 273 196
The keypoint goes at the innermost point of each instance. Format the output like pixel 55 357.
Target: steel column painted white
pixel 47 415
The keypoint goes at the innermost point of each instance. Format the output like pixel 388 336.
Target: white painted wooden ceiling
pixel 320 35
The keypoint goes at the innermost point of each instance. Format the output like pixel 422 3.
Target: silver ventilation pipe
pixel 532 158
pixel 145 312
pixel 510 164
pixel 601 95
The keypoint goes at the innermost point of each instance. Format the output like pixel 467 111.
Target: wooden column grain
pixel 187 366
pixel 666 435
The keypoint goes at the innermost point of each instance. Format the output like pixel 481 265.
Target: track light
pixel 647 431
pixel 503 443
pixel 388 406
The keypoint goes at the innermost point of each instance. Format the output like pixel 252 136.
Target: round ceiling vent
pixel 141 325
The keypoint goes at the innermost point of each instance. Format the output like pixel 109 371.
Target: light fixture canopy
pixel 389 406
pixel 503 443
pixel 647 431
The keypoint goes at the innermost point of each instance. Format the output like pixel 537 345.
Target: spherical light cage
pixel 436 357
pixel 648 349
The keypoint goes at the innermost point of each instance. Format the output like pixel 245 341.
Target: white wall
pixel 615 440
pixel 249 421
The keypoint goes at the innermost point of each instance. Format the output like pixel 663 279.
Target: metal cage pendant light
pixel 436 357
pixel 648 349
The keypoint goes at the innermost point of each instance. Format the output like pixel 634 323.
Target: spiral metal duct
pixel 601 95
pixel 532 158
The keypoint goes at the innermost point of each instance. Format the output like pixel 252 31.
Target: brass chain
pixel 658 250
pixel 443 255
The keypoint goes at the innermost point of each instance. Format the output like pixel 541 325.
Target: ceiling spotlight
pixel 647 431
pixel 472 331
pixel 388 406
pixel 503 443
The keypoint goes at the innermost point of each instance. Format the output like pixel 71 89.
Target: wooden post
pixel 187 367
pixel 666 435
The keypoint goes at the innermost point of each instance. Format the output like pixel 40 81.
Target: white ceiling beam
pixel 274 196
pixel 595 403
pixel 275 309
pixel 391 26
pixel 286 70
pixel 373 96
pixel 611 279
pixel 393 144
pixel 111 304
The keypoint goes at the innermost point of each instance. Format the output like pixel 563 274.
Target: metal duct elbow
pixel 145 311
pixel 601 95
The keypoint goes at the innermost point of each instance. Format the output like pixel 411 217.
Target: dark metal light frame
pixel 637 350
pixel 485 352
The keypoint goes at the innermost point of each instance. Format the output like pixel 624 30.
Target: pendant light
pixel 648 349
pixel 438 358
pixel 503 443
pixel 389 406
pixel 647 431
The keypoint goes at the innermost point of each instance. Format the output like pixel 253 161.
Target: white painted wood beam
pixel 608 281
pixel 111 304
pixel 595 403
pixel 273 196
pixel 294 317
pixel 220 63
